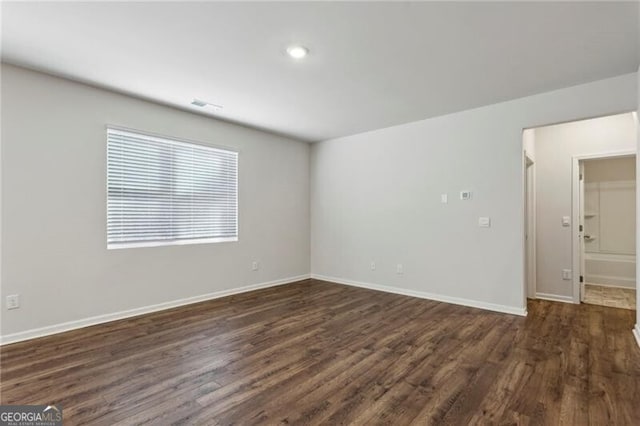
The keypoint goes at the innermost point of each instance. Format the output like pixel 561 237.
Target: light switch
pixel 566 221
pixel 444 198
pixel 484 222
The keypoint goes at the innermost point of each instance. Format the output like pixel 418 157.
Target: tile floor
pixel 610 296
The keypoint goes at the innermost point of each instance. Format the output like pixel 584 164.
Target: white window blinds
pixel 164 191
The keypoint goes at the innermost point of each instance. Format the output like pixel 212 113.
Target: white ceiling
pixel 371 65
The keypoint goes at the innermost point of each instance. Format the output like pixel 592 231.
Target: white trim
pixel 576 264
pixel 424 295
pixel 575 207
pixel 636 333
pixel 608 154
pixel 183 242
pixel 530 249
pixel 555 297
pixel 100 319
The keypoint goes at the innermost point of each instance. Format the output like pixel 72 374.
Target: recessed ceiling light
pixel 297 52
pixel 199 103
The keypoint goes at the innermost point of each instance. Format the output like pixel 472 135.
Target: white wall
pixel 529 143
pixel 610 203
pixel 376 196
pixel 53 209
pixel 637 327
pixel 555 148
pixel 612 169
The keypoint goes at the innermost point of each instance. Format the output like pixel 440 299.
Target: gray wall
pixel 54 251
pixel 555 148
pixel 375 196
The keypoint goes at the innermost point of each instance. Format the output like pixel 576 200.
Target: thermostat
pixel 465 195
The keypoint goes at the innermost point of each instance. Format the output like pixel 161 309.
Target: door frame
pixel 576 252
pixel 530 226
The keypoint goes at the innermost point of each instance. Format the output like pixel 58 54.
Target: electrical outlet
pixel 255 265
pixel 399 269
pixel 373 266
pixel 13 301
pixel 566 274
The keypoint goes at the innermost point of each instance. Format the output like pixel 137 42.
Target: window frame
pixel 174 242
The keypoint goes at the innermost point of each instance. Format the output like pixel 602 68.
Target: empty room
pixel 358 213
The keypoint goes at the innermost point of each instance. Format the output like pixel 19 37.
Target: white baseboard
pixel 100 319
pixel 430 296
pixel 554 297
pixel 636 333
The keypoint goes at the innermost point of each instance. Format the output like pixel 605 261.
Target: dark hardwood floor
pixel 321 353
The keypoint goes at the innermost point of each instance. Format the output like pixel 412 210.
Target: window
pixel 163 191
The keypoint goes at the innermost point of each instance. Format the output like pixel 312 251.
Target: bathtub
pixel 614 270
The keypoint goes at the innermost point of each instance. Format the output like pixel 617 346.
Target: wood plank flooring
pixel 319 353
pixel 616 297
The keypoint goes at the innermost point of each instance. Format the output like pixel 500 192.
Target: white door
pixel 581 230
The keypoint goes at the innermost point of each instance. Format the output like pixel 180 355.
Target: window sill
pixel 117 246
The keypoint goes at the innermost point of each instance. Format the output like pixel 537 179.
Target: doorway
pixel 604 250
pixel 556 251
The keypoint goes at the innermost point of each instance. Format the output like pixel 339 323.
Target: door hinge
pixel 581 279
pixel 581 176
